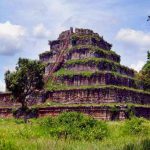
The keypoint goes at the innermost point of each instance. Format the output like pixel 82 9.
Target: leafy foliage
pixel 148 55
pixel 114 112
pixel 27 78
pixel 75 125
pixel 144 74
pixel 135 126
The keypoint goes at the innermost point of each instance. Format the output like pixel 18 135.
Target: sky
pixel 27 25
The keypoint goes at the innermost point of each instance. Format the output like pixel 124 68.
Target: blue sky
pixel 27 25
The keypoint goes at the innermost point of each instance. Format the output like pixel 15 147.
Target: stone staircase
pixel 57 65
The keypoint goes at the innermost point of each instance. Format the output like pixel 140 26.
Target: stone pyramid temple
pixel 81 68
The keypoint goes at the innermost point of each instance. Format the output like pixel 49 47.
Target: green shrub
pixel 135 126
pixel 130 111
pixel 47 122
pixel 114 112
pixel 75 125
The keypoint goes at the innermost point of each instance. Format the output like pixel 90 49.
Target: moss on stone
pixel 62 87
pixel 96 62
pixel 95 51
pixel 92 49
pixel 86 36
pixel 64 73
pixel 46 53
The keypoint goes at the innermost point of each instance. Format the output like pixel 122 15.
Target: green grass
pixel 56 104
pixel 91 61
pixel 36 135
pixel 53 86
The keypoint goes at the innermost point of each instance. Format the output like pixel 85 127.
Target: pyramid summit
pixel 80 67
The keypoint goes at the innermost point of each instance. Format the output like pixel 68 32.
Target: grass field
pixel 42 134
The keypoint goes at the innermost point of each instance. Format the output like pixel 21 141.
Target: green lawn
pixel 41 134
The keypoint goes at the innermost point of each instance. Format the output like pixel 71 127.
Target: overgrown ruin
pixel 82 68
pixel 83 74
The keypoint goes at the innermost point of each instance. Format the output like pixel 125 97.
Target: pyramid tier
pixel 90 39
pixel 99 94
pixel 88 51
pixel 98 64
pixel 71 78
pixel 48 57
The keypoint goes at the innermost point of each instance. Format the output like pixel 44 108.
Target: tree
pixel 144 74
pixel 23 82
pixel 148 56
pixel 148 18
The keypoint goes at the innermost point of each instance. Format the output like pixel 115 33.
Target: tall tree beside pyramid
pixel 144 74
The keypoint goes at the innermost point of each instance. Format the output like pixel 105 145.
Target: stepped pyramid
pixel 81 68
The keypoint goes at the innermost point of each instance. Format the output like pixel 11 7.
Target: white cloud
pixel 41 32
pixel 2 86
pixel 60 9
pixel 11 38
pixel 133 37
pixel 138 66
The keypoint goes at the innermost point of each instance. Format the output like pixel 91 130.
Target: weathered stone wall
pixel 6 99
pixel 101 67
pixel 97 79
pixel 98 112
pixel 92 41
pixel 86 54
pixel 80 31
pixel 62 42
pixel 46 56
pixel 50 59
pixel 65 34
pixel 103 95
pixel 6 113
pixel 142 112
pixel 102 113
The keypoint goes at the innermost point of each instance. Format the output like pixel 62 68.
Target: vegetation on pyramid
pixel 81 68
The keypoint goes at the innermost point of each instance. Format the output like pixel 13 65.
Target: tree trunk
pixel 24 109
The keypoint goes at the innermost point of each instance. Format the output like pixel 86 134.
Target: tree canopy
pixel 27 77
pixel 144 74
